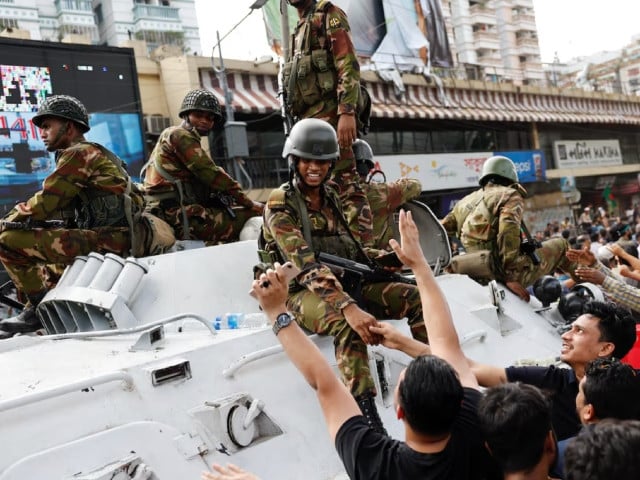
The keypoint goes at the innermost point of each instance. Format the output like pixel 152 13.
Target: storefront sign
pixel 444 171
pixel 587 153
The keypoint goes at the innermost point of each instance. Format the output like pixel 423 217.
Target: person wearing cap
pixel 585 220
pixel 88 188
pixel 183 185
pixel 491 220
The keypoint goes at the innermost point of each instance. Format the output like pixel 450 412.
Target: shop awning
pixel 257 93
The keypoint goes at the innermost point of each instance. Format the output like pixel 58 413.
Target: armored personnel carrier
pixel 134 381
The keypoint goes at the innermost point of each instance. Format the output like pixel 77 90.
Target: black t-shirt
pixel 370 455
pixel 563 386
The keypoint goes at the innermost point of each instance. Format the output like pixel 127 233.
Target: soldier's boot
pixel 27 321
pixel 367 404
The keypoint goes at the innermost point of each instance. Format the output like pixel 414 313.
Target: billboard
pixel 104 79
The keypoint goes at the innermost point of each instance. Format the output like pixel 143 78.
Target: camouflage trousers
pixel 552 257
pixel 212 225
pixel 354 201
pixel 383 301
pixel 34 258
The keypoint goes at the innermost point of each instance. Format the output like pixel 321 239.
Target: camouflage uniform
pixel 384 199
pixel 82 170
pixel 180 154
pixel 490 219
pixel 318 297
pixel 328 30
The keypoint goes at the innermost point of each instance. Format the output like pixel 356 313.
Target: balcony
pixel 524 21
pixel 481 14
pixel 155 12
pixel 73 6
pixel 486 40
pixel 528 46
pixel 523 3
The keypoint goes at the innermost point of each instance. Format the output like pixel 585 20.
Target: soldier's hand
pixel 360 321
pixel 346 130
pixel 590 275
pixel 519 290
pixel 584 256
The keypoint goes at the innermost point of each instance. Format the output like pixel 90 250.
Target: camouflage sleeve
pixel 345 60
pixel 199 163
pixel 402 191
pixel 75 169
pixel 508 239
pixel 317 278
pixel 450 224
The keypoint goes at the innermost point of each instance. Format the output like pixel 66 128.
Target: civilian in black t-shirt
pixel 603 330
pixel 436 396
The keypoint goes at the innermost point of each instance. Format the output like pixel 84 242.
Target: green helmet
pixel 202 100
pixel 364 157
pixel 312 139
pixel 499 166
pixel 63 106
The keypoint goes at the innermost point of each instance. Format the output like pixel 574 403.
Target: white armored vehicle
pixel 134 381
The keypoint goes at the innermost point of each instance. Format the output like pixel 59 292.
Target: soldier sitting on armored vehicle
pixel 489 223
pixel 88 185
pixel 384 198
pixel 303 219
pixel 436 397
pixel 185 187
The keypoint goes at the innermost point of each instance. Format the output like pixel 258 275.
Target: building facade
pixel 105 22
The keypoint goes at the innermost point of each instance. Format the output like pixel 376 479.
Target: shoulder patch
pixel 334 22
pixel 277 199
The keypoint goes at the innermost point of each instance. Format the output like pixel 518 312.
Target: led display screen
pixel 104 79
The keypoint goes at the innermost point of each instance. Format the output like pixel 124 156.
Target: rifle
pixel 31 224
pixel 287 119
pixel 224 201
pixel 529 245
pixel 353 275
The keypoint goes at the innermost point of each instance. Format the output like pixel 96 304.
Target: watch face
pixel 283 320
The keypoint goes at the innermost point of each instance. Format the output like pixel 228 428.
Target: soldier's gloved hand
pixel 257 208
pixel 360 321
pixel 519 290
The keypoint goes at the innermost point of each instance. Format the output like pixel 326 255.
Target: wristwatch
pixel 283 320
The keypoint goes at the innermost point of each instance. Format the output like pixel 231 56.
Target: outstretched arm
pixel 338 405
pixel 443 338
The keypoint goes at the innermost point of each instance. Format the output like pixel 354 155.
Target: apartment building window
pixel 98 13
pixel 8 23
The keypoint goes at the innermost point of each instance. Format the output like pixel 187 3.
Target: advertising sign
pixel 444 171
pixel 587 153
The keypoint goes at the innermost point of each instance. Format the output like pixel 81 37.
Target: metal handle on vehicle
pixel 65 389
pixel 252 357
pixel 479 335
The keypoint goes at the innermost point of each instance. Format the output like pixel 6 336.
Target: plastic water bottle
pixel 233 320
pixel 254 320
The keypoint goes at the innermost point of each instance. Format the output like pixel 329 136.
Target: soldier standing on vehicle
pixel 321 80
pixel 491 220
pixel 384 198
pixel 303 218
pixel 185 187
pixel 88 185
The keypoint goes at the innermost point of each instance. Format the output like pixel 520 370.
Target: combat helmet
pixel 364 157
pixel 63 106
pixel 498 166
pixel 202 100
pixel 312 139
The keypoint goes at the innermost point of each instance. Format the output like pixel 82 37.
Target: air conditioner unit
pixel 155 124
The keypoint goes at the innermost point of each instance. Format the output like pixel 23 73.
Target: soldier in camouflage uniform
pixel 384 198
pixel 183 184
pixel 303 218
pixel 88 183
pixel 491 219
pixel 322 80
